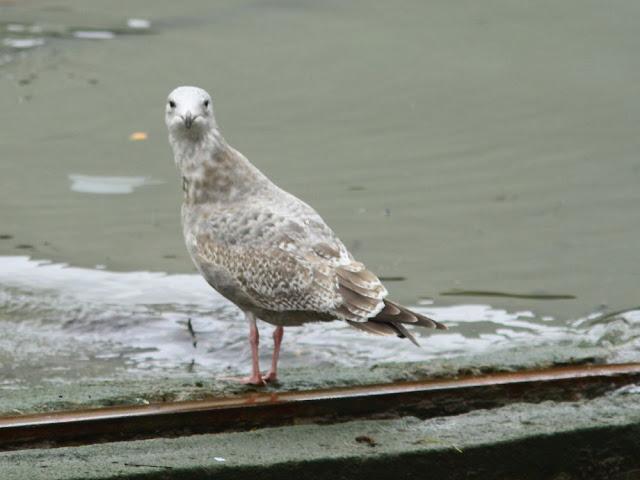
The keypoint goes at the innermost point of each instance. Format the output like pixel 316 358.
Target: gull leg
pixel 254 341
pixel 272 376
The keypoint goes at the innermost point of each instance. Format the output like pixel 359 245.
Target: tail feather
pixel 404 333
pixel 404 315
pixel 392 319
pixel 377 328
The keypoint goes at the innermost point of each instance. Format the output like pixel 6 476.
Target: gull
pixel 264 249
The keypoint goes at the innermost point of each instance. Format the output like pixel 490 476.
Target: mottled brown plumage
pixel 262 248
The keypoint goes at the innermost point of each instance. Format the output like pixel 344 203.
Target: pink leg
pixel 254 341
pixel 272 376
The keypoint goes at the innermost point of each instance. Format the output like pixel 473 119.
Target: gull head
pixel 189 113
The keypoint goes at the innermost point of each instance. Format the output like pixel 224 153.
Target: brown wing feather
pixel 361 292
pixel 362 302
pixel 356 273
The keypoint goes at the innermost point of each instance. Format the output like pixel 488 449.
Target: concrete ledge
pixel 596 439
pixel 100 392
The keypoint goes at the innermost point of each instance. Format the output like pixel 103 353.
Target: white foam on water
pixel 94 34
pixel 138 23
pixel 137 321
pixel 23 43
pixel 107 185
pixel 16 27
pixel 86 285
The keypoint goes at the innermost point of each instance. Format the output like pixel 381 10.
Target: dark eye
pixel 206 103
pixel 172 104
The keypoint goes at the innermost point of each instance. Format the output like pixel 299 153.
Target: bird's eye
pixel 172 104
pixel 206 103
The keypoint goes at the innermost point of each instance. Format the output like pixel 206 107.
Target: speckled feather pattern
pixel 265 249
pixel 268 251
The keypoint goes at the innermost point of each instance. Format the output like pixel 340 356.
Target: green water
pixel 454 146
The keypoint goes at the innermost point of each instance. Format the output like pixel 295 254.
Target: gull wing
pixel 290 260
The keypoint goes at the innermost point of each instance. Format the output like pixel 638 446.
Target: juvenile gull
pixel 264 249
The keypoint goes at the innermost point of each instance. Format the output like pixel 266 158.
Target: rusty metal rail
pixel 255 410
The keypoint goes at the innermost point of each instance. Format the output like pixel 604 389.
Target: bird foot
pixel 259 381
pixel 251 380
pixel 256 380
pixel 271 377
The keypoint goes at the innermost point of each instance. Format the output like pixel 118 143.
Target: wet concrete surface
pixel 96 392
pixel 596 439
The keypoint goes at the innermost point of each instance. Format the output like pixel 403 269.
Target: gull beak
pixel 188 120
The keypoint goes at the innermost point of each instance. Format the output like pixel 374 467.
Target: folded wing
pixel 283 264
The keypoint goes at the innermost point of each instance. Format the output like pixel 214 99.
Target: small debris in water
pixel 137 136
pixel 5 236
pixel 27 80
pixel 192 332
pixel 366 440
pixel 24 246
pixel 220 459
pixel 503 197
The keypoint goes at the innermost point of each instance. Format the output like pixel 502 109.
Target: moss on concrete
pixel 594 439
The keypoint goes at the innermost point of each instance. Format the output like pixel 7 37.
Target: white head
pixel 189 113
